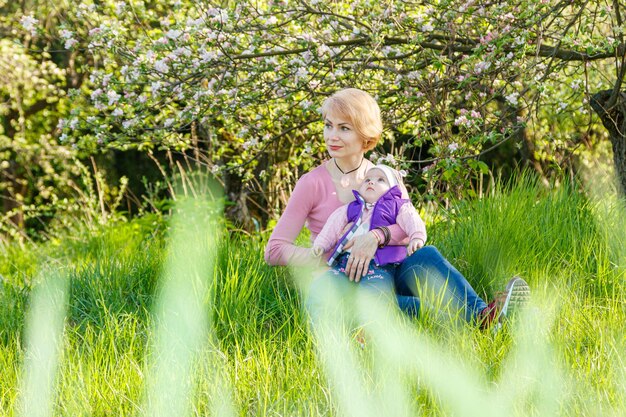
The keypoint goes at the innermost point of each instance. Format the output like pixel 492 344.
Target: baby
pixel 378 204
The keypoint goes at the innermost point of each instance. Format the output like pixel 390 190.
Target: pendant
pixel 345 181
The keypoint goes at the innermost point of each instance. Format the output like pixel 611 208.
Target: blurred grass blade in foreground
pixel 44 341
pixel 182 310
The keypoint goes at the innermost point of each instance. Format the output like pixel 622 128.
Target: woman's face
pixel 342 140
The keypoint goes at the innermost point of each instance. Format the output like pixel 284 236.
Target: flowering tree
pixel 242 85
pixel 39 177
pixel 28 152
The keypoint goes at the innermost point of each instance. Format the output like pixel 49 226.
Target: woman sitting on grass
pixel 352 127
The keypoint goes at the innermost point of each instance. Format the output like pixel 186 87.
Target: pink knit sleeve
pixel 411 222
pixel 333 229
pixel 280 248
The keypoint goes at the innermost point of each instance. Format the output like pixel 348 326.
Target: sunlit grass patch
pixel 253 352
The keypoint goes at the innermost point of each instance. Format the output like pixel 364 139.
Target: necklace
pixel 345 180
pixel 352 170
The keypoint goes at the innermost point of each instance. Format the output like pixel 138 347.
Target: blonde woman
pixel 352 127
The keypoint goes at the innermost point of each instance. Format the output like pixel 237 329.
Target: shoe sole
pixel 517 296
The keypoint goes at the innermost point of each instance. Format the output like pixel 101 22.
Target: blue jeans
pixel 427 270
pixel 332 290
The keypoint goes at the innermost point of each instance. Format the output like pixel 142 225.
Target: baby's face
pixel 374 185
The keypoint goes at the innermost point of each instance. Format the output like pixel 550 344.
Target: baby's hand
pixel 317 251
pixel 414 245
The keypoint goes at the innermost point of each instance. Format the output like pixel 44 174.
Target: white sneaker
pixel 515 296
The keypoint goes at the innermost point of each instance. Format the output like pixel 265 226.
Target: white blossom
pixel 117 112
pixel 96 94
pixel 113 97
pixel 129 123
pixel 29 23
pixel 66 34
pixel 413 75
pixel 462 121
pixel 69 43
pixel 322 50
pixel 575 85
pixel 183 51
pixel 389 158
pixel 208 56
pixel 482 66
pixel 119 7
pixel 218 15
pixel 512 98
pixel 250 143
pixel 195 22
pixel 106 80
pixel 161 66
pixel 302 72
pixel 173 34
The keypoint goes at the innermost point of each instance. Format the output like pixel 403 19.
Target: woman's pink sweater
pixel 313 200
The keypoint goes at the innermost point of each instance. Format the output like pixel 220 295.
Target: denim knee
pixel 426 254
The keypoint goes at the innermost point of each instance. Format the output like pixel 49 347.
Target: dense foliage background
pixel 106 103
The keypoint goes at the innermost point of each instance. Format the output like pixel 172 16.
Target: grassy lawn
pixel 148 318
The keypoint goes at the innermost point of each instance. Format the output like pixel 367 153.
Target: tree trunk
pixel 614 119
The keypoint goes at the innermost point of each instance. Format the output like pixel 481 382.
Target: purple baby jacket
pixel 385 212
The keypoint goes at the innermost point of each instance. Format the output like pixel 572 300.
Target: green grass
pixel 256 355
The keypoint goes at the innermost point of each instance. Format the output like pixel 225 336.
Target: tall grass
pixel 252 351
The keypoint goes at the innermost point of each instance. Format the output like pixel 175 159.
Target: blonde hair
pixel 361 110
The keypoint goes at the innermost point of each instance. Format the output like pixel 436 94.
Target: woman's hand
pixel 362 250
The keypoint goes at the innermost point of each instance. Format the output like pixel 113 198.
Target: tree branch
pixel 466 46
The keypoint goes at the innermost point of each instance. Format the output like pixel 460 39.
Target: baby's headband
pixel 389 172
